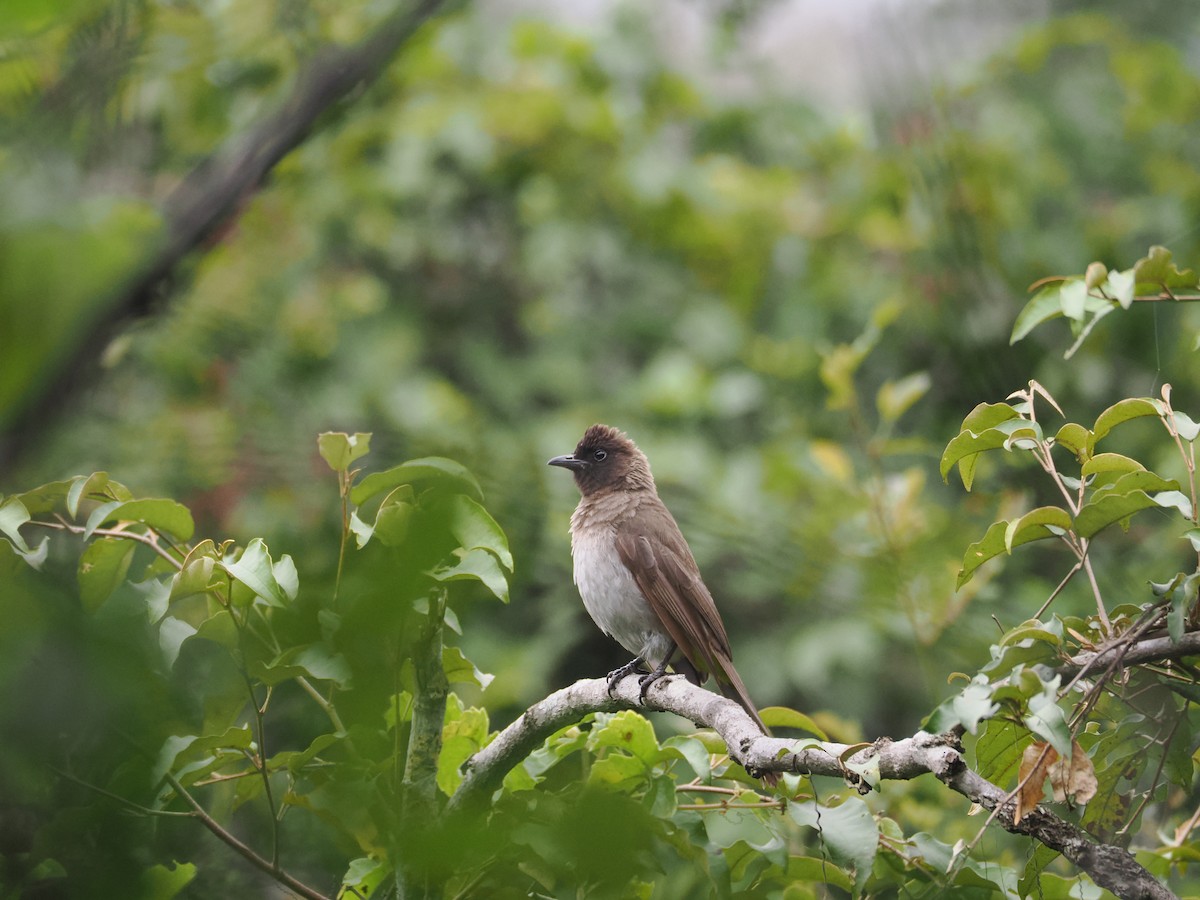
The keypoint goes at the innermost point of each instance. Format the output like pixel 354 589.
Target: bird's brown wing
pixel 653 549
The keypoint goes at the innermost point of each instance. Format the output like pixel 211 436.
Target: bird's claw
pixel 647 681
pixel 617 674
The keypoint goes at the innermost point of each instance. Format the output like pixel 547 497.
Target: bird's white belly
pixel 613 599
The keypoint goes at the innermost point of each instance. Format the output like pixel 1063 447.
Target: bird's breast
pixel 609 593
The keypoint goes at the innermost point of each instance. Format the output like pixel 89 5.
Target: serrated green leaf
pixel 102 566
pixel 340 450
pixel 476 565
pixel 430 471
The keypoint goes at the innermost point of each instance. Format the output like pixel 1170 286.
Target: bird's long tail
pixel 734 688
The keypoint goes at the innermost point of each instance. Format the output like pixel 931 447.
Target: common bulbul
pixel 635 572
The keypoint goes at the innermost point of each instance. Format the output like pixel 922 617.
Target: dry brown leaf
pixel 1031 777
pixel 1075 778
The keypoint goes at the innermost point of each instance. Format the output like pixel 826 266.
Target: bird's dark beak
pixel 567 462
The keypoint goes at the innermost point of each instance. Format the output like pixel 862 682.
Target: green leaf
pixel 1110 462
pixel 1043 306
pixel 995 542
pixel 972 705
pixel 475 529
pixel 1157 269
pixel 361 530
pixel 1072 298
pixel 253 568
pixel 1096 515
pixel 102 566
pixel 983 417
pixel 626 730
pixel 85 486
pixel 848 830
pixel 160 883
pixel 1123 411
pixel 895 398
pixel 360 870
pixel 998 750
pixel 433 470
pixel 1075 438
pixel 339 449
pixel 1047 720
pixel 172 633
pixel 464 733
pixel 1120 286
pixel 693 752
pixel 1045 521
pixel 316 660
pixel 13 515
pixel 394 519
pixel 164 516
pixel 1174 500
pixel 286 576
pixel 1185 426
pixel 196 576
pixel 783 717
pixel 476 565
pixel 460 670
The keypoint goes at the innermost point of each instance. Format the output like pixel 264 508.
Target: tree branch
pixel 940 755
pixel 215 192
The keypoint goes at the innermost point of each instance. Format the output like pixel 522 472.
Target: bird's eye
pixel 599 455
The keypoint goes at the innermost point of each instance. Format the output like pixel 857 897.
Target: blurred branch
pixel 211 195
pixel 940 755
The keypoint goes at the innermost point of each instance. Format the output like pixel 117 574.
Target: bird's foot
pixel 617 674
pixel 646 681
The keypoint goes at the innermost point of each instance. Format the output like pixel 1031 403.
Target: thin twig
pixel 244 851
pixel 149 539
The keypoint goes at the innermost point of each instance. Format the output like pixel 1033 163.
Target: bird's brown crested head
pixel 606 459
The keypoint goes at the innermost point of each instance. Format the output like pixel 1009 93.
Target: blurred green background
pixel 781 244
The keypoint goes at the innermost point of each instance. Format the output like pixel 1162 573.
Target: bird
pixel 636 574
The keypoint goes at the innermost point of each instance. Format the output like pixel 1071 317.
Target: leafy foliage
pixel 519 229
